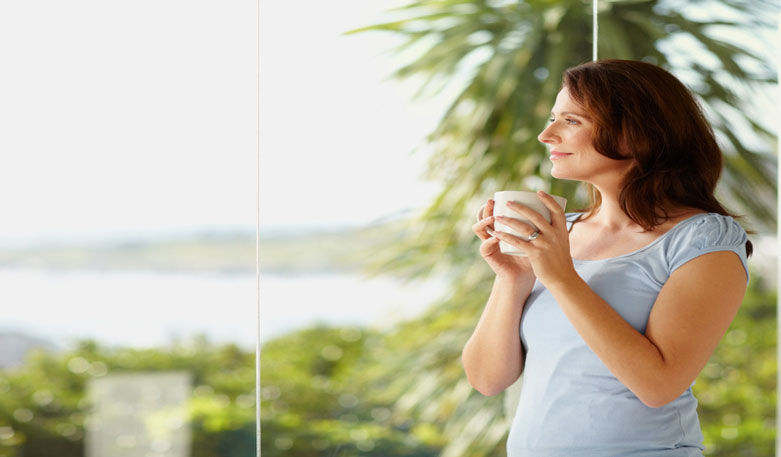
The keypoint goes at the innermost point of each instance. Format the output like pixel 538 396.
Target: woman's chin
pixel 563 174
pixel 557 173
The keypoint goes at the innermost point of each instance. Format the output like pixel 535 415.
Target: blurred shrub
pixel 315 399
pixel 43 406
pixel 320 393
pixel 322 397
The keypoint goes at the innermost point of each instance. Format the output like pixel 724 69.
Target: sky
pixel 122 120
pixel 131 119
pixel 119 119
pixel 337 135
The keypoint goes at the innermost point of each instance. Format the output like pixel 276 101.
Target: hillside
pixel 303 252
pixel 202 253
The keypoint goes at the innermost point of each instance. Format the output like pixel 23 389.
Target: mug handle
pixel 479 213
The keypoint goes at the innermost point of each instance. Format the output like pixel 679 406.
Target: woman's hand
pixel 504 265
pixel 549 253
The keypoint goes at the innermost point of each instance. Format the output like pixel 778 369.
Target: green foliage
pixel 43 407
pixel 422 377
pixel 353 392
pixel 346 391
pixel 315 401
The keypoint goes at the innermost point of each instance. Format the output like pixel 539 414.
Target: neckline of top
pixel 647 246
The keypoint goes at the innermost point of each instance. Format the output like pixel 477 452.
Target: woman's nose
pixel 548 136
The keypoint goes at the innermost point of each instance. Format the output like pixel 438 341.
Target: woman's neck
pixel 610 217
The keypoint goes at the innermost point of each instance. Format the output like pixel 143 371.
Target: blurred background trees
pixel 331 391
pixel 346 391
pixel 45 409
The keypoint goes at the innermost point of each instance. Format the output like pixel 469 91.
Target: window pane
pixel 128 132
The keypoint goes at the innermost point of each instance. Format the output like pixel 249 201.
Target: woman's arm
pixel 493 356
pixel 691 314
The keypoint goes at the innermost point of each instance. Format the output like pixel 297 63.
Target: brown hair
pixel 643 113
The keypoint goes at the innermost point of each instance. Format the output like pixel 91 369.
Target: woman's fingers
pixel 513 240
pixel 485 219
pixel 534 217
pixel 558 216
pixel 486 210
pixel 491 240
pixel 525 229
pixel 484 228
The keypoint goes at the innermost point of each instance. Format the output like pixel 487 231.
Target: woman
pixel 620 306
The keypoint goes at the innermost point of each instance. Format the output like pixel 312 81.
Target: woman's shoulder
pixel 709 229
pixel 704 233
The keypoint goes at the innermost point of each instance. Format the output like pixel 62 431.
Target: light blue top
pixel 571 404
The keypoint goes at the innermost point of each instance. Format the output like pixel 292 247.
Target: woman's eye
pixel 568 121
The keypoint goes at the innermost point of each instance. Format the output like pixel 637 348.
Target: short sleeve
pixel 711 233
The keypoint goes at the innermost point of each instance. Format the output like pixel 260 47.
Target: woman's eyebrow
pixel 571 113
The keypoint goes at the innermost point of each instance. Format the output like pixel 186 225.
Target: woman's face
pixel 569 139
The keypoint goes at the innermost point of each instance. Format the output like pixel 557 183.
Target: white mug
pixel 529 199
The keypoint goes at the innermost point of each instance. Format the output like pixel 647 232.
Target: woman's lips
pixel 558 155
